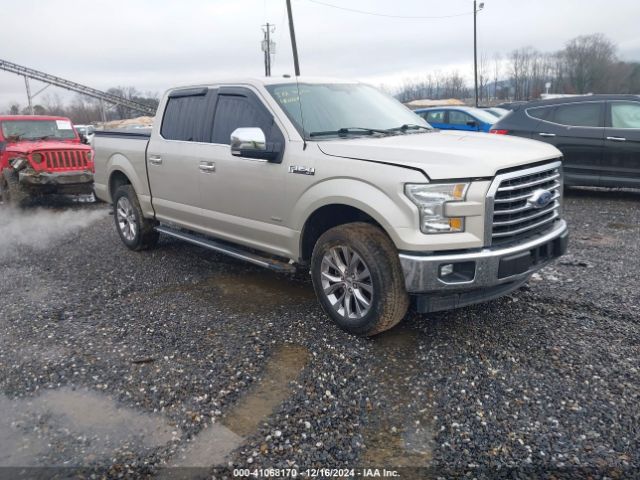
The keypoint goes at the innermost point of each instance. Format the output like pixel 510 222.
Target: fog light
pixel 446 269
pixel 458 272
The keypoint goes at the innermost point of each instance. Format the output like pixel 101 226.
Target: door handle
pixel 207 167
pixel 545 134
pixel 617 139
pixel 155 159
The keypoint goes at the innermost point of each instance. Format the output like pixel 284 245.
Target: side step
pixel 234 252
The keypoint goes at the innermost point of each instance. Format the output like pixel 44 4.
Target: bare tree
pixel 587 61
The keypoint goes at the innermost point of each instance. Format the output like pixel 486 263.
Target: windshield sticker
pixel 64 125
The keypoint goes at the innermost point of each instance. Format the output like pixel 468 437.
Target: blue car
pixel 458 118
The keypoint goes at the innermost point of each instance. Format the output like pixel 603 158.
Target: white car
pixel 86 132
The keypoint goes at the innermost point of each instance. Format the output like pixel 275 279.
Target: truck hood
pixel 445 154
pixel 26 148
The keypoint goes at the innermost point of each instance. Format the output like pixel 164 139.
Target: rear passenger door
pixel 176 152
pixel 244 198
pixel 621 164
pixel 577 130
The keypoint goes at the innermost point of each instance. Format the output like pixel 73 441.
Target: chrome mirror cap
pixel 244 140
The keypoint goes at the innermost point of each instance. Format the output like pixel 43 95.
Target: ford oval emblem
pixel 540 198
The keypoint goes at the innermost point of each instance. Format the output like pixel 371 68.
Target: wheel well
pixel 116 180
pixel 325 218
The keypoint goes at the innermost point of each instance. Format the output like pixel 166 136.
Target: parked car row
pixel 599 135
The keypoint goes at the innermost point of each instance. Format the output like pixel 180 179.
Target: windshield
pixel 38 129
pixel 82 130
pixel 331 107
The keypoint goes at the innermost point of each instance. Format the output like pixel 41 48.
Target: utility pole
pixel 292 33
pixel 267 47
pixel 26 84
pixel 475 48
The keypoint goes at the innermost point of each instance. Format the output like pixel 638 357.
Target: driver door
pixel 243 199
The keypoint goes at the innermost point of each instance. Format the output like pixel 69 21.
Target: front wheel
pixel 357 277
pixel 10 190
pixel 136 231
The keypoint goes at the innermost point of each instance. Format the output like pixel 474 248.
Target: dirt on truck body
pixel 41 155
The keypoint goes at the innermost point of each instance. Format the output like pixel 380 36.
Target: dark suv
pixel 599 136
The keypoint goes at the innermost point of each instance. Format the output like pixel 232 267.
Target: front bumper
pixel 61 178
pixel 495 271
pixel 78 182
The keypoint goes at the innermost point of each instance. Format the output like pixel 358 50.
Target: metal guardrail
pixel 75 87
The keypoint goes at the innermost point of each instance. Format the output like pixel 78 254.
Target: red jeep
pixel 42 155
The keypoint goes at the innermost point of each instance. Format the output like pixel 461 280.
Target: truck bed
pixel 125 149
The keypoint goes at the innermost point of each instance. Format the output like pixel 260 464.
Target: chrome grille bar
pixel 513 216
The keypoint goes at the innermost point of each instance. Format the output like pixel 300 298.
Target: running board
pixel 220 247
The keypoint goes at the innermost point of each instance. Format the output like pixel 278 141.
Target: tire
pixel 136 231
pixel 376 280
pixel 12 193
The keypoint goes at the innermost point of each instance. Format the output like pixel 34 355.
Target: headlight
pixel 18 163
pixel 90 155
pixel 37 157
pixel 431 199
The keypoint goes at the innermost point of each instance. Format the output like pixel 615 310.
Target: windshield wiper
pixel 409 126
pixel 45 137
pixel 349 131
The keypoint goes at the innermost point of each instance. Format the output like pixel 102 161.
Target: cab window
pixel 579 114
pixel 457 117
pixel 625 115
pixel 434 116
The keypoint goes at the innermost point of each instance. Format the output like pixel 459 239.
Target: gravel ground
pixel 126 363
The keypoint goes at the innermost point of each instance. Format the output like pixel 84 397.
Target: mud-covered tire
pixel 388 302
pixel 136 231
pixel 12 193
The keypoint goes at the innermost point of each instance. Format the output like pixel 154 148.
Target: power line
pixel 376 14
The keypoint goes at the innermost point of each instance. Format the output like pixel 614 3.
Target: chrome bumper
pixel 485 268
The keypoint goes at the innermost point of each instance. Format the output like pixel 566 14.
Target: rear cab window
pixel 188 115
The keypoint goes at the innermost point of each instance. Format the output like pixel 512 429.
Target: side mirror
pixel 84 139
pixel 251 143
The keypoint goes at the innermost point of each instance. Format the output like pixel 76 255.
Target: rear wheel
pixel 358 279
pixel 10 190
pixel 136 231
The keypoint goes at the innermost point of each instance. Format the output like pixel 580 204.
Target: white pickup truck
pixel 343 180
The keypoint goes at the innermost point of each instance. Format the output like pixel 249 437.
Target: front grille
pixel 63 160
pixel 514 217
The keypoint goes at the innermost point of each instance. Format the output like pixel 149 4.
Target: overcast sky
pixel 155 44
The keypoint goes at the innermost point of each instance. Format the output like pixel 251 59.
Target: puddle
pixel 209 447
pixel 283 367
pixel 212 446
pixel 74 428
pixel 391 439
pixel 249 292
